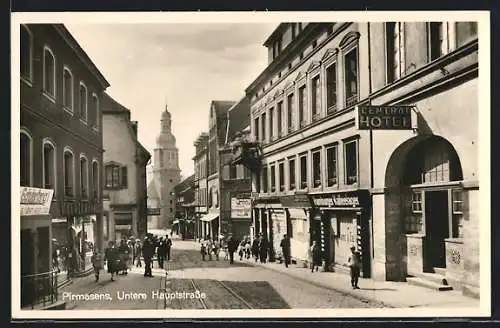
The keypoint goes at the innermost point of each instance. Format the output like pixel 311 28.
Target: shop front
pixel 210 225
pixel 241 216
pixel 341 220
pixel 263 213
pixel 200 211
pixel 123 225
pixel 37 278
pixel 298 209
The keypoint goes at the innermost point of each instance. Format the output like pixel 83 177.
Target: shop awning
pixel 209 217
pixel 175 222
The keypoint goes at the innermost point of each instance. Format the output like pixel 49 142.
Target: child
pixel 203 250
pixel 355 265
pixel 96 260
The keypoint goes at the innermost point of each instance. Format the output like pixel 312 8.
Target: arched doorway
pixel 422 186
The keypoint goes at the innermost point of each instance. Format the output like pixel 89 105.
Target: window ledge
pixel 27 81
pixel 49 96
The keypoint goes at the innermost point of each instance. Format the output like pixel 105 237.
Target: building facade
pixel 184 224
pixel 60 146
pixel 166 174
pixel 125 161
pixel 323 178
pixel 200 160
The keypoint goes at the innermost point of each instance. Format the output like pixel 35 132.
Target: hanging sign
pixel 384 117
pixel 35 201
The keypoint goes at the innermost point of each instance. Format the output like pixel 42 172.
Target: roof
pixel 152 192
pixel 111 106
pixel 82 55
pixel 274 33
pixel 238 117
pixel 222 106
pixel 184 184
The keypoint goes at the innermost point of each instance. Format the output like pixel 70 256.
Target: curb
pixel 321 285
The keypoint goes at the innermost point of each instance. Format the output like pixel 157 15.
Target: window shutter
pixel 124 177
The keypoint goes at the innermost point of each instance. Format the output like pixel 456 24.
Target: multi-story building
pixel 184 224
pixel 235 179
pixel 405 197
pixel 125 161
pixel 60 145
pixel 200 180
pixel 212 226
pixel 166 174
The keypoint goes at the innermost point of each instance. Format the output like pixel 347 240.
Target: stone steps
pixel 423 282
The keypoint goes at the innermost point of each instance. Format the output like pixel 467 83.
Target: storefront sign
pixel 153 211
pixel 344 200
pixel 241 207
pixel 296 201
pixel 73 208
pixel 35 201
pixel 384 117
pixel 123 226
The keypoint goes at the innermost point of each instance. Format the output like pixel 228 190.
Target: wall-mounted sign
pixel 384 117
pixel 153 211
pixel 241 207
pixel 296 201
pixel 344 200
pixel 123 226
pixel 35 201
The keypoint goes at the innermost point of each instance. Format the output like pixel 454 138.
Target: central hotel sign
pixel 384 117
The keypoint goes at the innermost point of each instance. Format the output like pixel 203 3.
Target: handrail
pixel 40 274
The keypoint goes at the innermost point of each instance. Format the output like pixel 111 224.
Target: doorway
pixel 436 229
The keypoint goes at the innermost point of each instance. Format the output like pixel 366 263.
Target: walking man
pixel 355 265
pixel 168 245
pixel 285 248
pixel 148 251
pixel 232 246
pixel 162 250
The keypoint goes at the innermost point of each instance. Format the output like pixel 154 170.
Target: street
pixel 191 283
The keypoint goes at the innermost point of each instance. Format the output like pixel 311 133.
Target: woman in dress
pixel 111 257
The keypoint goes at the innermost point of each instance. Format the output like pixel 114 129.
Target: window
pixel 438 39
pixel 279 116
pixel 26 159
pixel 232 172
pixel 351 162
pixel 49 73
pixel 351 77
pixel 277 48
pixel 414 220
pixel 271 123
pixel 116 176
pixel 314 44
pixel 416 202
pixel 69 171
pixel 67 89
pixel 26 45
pixel 264 127
pixel 256 129
pixel 395 50
pixel 457 218
pixel 82 109
pixel 49 165
pixel 257 182
pixel 95 179
pixel 465 32
pixel 281 172
pixel 331 87
pixel 291 174
pixel 302 105
pixel 264 179
pixel 273 178
pixel 331 166
pixel 316 98
pixel 84 177
pixel 95 107
pixel 303 171
pixel 316 167
pixel 290 111
pixel 436 165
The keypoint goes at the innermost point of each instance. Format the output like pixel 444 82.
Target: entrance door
pixel 436 229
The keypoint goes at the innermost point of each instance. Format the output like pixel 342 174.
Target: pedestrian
pixel 168 244
pixel 248 248
pixel 355 266
pixel 285 248
pixel 210 248
pixel 241 249
pixel 55 259
pixel 255 247
pixel 216 245
pixel 263 248
pixel 232 246
pixel 203 250
pixel 316 256
pixel 111 257
pixel 138 254
pixel 148 250
pixel 124 252
pixel 162 251
pixel 96 260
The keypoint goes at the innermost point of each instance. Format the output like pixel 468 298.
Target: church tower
pixel 166 172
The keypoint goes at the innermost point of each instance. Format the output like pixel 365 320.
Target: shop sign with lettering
pixel 347 200
pixel 241 207
pixel 35 201
pixel 153 211
pixel 384 117
pixel 296 201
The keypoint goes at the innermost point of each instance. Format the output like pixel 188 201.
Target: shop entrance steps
pixel 435 281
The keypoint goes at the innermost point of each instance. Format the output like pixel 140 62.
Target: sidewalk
pixel 387 293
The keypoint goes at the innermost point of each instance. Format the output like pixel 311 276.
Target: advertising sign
pixel 241 207
pixel 153 211
pixel 384 117
pixel 35 201
pixel 345 199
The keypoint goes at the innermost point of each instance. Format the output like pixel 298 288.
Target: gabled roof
pixel 239 118
pixel 222 106
pixel 184 184
pixel 111 106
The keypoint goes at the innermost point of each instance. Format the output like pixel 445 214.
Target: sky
pixel 185 66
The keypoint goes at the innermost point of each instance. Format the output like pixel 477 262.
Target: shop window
pixel 273 178
pixel 438 39
pixel 457 207
pixel 282 176
pixel 465 32
pixel 331 88
pixel 316 98
pixel 26 45
pixel 279 117
pixel 351 162
pixel 116 176
pixel 264 179
pixel 68 89
pixel 395 50
pixel 84 182
pixel 316 167
pixel 26 160
pixel 49 73
pixel 331 166
pixel 302 106
pixel 233 172
pixel 351 77
pixel 303 172
pixel 291 174
pixel 49 165
pixel 69 166
pixel 290 112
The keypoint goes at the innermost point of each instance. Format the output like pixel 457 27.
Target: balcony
pixel 39 289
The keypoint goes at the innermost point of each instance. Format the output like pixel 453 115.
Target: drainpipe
pixel 372 183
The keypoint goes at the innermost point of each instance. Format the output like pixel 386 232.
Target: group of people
pixel 119 259
pixel 213 246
